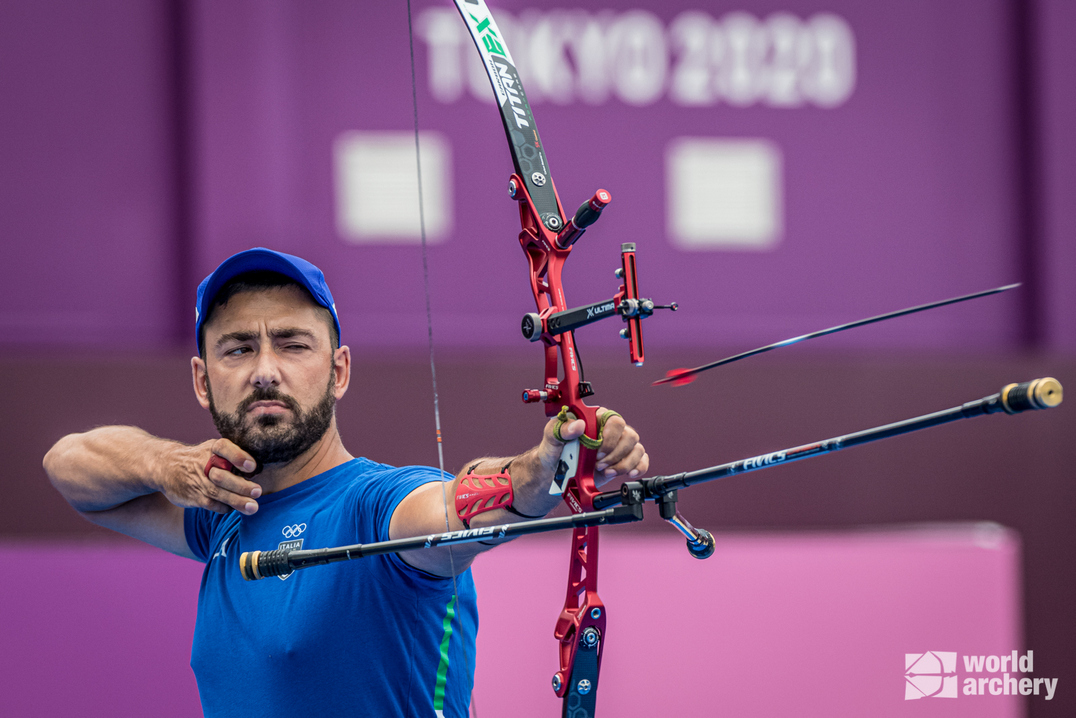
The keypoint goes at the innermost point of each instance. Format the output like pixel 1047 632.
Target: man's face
pixel 271 383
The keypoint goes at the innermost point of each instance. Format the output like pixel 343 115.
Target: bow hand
pixel 620 453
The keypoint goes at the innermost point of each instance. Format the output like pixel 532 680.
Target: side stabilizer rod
pixel 255 565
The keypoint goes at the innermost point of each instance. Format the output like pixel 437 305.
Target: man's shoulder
pixel 363 469
pixel 384 485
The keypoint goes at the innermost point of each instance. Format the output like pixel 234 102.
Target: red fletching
pixel 677 377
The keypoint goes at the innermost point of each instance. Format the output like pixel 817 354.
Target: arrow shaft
pixel 681 375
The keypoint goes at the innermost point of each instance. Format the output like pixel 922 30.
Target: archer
pixel 393 635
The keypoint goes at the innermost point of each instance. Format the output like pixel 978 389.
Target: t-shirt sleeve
pixel 199 525
pixel 383 494
pixel 377 494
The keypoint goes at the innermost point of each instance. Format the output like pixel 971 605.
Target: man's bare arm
pixel 423 510
pixel 129 481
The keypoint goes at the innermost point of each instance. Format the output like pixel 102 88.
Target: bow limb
pixel 544 239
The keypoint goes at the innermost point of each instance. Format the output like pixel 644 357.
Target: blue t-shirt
pixel 370 637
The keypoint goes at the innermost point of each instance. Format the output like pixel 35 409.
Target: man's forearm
pixel 620 454
pixel 428 508
pixel 530 487
pixel 108 466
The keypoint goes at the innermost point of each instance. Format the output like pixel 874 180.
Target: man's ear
pixel 201 381
pixel 341 371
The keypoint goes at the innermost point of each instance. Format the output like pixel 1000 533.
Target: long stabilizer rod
pixel 680 377
pixel 1043 393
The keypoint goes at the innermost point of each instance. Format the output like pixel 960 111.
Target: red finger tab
pixel 219 462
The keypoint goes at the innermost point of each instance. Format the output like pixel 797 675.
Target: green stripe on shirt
pixel 442 666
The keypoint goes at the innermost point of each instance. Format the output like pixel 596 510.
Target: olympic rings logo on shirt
pixel 293 530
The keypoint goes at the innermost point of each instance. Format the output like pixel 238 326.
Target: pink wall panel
pixel 97 629
pixel 771 624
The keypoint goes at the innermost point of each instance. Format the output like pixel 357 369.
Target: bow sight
pixel 625 304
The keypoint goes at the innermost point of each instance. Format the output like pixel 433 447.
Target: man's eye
pixel 237 351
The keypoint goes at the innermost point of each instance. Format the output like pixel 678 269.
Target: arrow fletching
pixel 681 377
pixel 678 377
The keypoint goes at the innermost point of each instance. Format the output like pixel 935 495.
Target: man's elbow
pixel 53 461
pixel 58 468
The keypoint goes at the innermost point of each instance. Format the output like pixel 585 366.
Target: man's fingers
pixel 612 430
pixel 620 452
pixel 218 507
pixel 618 440
pixel 635 464
pixel 236 456
pixel 636 460
pixel 572 430
pixel 216 494
pixel 236 484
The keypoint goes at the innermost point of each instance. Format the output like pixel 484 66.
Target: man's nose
pixel 266 370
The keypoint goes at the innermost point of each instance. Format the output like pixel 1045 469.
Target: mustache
pixel 269 393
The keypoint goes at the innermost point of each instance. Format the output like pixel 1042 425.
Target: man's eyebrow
pixel 289 332
pixel 278 333
pixel 240 336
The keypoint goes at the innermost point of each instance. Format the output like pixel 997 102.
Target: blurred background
pixel 783 167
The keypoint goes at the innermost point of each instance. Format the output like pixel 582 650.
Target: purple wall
pixel 87 180
pixel 904 189
pixel 1055 59
pixel 901 194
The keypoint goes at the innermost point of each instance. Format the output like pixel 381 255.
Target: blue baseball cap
pixel 260 259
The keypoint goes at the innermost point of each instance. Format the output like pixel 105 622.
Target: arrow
pixel 680 377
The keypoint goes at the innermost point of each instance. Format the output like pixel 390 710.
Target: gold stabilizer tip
pixel 1046 393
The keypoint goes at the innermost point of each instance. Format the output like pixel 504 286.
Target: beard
pixel 272 438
